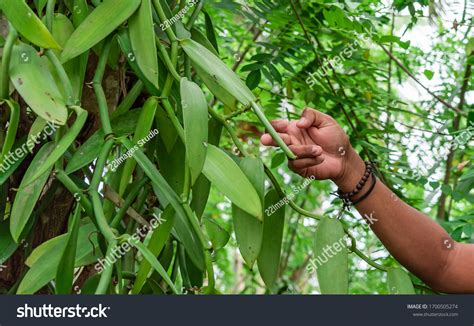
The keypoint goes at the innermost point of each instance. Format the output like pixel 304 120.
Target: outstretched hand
pixel 321 145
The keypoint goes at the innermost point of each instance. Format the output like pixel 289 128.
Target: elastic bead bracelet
pixel 372 186
pixel 346 196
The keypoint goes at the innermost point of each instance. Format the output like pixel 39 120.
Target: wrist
pixel 353 170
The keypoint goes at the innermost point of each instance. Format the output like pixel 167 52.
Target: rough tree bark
pixel 53 220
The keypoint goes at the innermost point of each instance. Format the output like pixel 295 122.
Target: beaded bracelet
pixel 346 196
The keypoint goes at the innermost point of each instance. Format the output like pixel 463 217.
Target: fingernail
pixel 314 150
pixel 302 121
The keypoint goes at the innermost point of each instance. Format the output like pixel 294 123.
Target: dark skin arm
pixel 415 240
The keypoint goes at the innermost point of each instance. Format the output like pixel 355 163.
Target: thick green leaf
pixel 331 265
pixel 222 75
pixel 269 257
pixel 157 242
pixel 168 134
pixel 128 101
pixel 142 38
pixel 167 196
pixel 248 229
pixel 79 12
pixel 141 136
pixel 123 125
pixel 65 272
pixel 199 37
pixel 399 282
pixel 224 173
pixel 126 46
pixel 90 285
pixel 63 144
pixel 217 90
pixel 40 4
pixel 155 264
pixel 7 245
pixel 36 129
pixel 109 15
pixel 217 234
pixel 253 79
pixel 195 126
pixel 202 186
pixel 10 137
pixel 210 32
pixel 32 78
pixel 44 260
pixel 173 165
pixel 24 20
pixel 6 168
pixel 62 31
pixel 194 275
pixel 29 192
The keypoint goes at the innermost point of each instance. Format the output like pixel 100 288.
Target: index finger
pixel 280 125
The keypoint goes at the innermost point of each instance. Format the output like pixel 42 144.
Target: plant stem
pixel 50 14
pixel 187 181
pixel 210 273
pixel 106 276
pixel 6 57
pixel 99 91
pixel 162 16
pixel 187 67
pixel 360 253
pixel 174 120
pixel 129 100
pixel 10 136
pixel 94 192
pixel 167 60
pixel 195 15
pixel 128 201
pixel 230 131
pixel 368 260
pixel 5 80
pixel 71 186
pixel 276 137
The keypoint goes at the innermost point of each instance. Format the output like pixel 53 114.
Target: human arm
pixel 415 240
